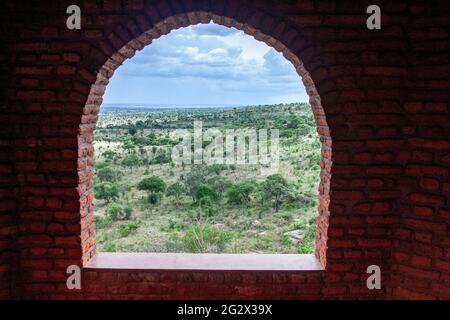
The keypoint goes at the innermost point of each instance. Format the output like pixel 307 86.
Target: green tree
pixel 132 131
pixel 240 193
pixel 176 190
pixel 153 184
pixel 107 174
pixel 130 161
pixel 205 191
pixel 193 180
pixel 206 198
pixel 276 189
pixel 106 191
pixel 220 185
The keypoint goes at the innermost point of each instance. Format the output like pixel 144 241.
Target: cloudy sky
pixel 206 64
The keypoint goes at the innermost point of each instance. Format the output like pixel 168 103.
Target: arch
pixel 129 44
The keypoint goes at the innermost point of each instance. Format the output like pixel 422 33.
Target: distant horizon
pixel 187 106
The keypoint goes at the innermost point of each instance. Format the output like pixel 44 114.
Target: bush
pixel 176 190
pixel 124 230
pixel 153 198
pixel 127 212
pixel 162 158
pixel 107 174
pixel 131 161
pixel 109 247
pixel 240 192
pixel 101 165
pixel 205 191
pixel 217 168
pixel 102 222
pixel 117 212
pixel 114 211
pixel 203 238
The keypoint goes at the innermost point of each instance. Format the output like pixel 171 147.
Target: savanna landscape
pixel 145 202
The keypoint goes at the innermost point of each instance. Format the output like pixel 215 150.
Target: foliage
pixel 107 174
pixel 152 184
pixel 205 191
pixel 239 193
pixel 153 198
pixel 106 191
pixel 114 211
pixel 219 184
pixel 125 229
pixel 127 211
pixel 102 222
pixel 131 161
pixel 276 189
pixel 193 180
pixel 203 238
pixel 217 168
pixel 176 190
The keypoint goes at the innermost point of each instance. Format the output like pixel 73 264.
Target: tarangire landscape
pixel 147 202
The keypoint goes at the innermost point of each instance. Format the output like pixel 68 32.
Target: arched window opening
pixel 205 143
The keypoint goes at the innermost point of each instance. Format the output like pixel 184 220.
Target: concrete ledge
pixel 204 262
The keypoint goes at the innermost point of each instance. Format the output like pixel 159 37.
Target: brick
pixel 421 261
pixel 428 144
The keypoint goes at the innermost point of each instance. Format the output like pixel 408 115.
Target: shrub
pixel 114 211
pixel 240 192
pixel 131 161
pixel 219 184
pixel 101 165
pixel 205 191
pixel 176 190
pixel 109 247
pixel 217 168
pixel 153 198
pixel 125 229
pixel 162 158
pixel 102 222
pixel 127 212
pixel 193 180
pixel 107 174
pixel 203 238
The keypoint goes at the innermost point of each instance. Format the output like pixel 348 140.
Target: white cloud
pixel 219 60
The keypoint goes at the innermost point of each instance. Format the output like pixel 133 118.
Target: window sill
pixel 203 262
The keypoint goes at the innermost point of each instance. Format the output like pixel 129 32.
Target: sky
pixel 206 64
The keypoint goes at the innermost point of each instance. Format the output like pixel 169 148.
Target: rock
pixel 296 236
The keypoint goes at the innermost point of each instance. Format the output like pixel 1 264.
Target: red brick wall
pixel 8 181
pixel 383 113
